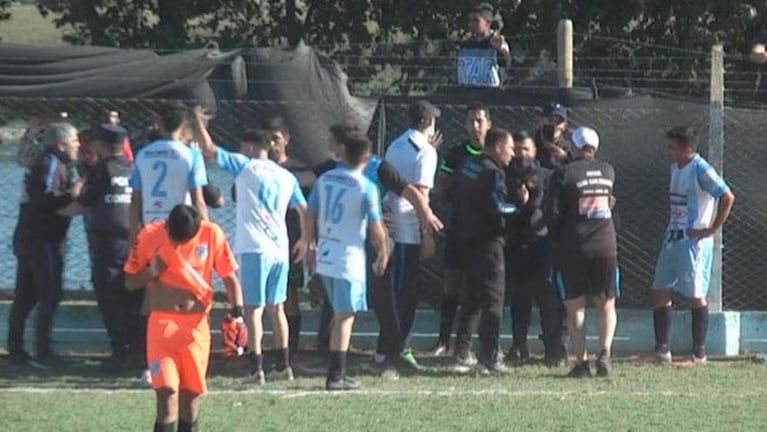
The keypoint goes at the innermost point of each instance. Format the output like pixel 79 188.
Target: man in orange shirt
pixel 175 261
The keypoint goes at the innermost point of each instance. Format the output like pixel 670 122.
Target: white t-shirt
pixel 165 171
pixel 416 161
pixel 264 192
pixel 693 191
pixel 344 201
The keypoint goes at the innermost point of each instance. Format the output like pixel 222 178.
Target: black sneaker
pixel 19 358
pixel 581 370
pixel 604 366
pixel 342 384
pixel 518 354
pixel 442 349
pixel 497 368
pixel 51 361
pixel 555 357
pixel 388 371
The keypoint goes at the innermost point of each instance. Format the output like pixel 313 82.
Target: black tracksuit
pixel 480 205
pixel 529 262
pixel 38 244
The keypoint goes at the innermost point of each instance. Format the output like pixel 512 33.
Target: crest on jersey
pixel 202 252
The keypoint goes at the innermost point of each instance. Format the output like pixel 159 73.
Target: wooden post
pixel 565 53
pixel 716 159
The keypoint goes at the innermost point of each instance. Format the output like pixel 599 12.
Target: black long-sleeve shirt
pixel 47 187
pixel 579 209
pixel 480 202
pixel 529 224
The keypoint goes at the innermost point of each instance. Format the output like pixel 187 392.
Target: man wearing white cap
pixel 579 212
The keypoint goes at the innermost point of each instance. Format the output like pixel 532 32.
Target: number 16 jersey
pixel 165 171
pixel 344 201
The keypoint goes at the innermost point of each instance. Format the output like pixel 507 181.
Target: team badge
pixel 202 252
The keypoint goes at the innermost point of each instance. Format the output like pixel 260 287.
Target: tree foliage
pixel 622 37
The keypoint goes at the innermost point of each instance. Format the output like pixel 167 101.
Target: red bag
pixel 235 334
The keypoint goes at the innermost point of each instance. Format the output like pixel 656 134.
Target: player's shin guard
pixel 699 331
pixel 294 332
pixel 662 318
pixel 168 427
pixel 448 311
pixel 184 426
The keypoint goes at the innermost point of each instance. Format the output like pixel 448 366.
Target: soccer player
pixel 49 185
pixel 167 173
pixel 480 187
pixel 175 261
pixel 413 155
pixel 580 218
pixel 478 122
pixel 700 205
pixel 343 207
pixel 106 197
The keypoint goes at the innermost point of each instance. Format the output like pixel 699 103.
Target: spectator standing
pixel 550 136
pixel 482 51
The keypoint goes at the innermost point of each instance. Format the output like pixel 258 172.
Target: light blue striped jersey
pixel 694 190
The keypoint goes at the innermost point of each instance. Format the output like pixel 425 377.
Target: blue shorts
pixel 264 280
pixel 346 296
pixel 684 266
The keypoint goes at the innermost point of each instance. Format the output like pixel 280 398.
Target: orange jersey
pixel 190 265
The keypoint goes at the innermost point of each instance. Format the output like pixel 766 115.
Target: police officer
pixel 528 258
pixel 106 197
pixel 480 187
pixel 49 186
pixel 579 210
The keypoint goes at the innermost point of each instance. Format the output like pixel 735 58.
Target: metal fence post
pixel 716 159
pixel 565 53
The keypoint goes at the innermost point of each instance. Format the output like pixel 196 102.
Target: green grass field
pixel 720 396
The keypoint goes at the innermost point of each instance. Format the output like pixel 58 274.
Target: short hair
pixel 478 106
pixel 496 135
pixel 483 9
pixel 183 223
pixel 57 133
pixel 172 116
pixel 342 130
pixel 276 124
pixel 258 137
pixel 684 135
pixel 521 136
pixel 358 147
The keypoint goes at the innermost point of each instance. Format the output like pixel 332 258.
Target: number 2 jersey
pixel 164 172
pixel 344 201
pixel 579 211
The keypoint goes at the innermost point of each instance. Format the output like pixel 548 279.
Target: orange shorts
pixel 178 350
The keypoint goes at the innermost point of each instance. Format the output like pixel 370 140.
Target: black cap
pixel 555 109
pixel 109 134
pixel 421 112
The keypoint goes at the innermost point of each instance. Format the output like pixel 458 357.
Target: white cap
pixel 584 136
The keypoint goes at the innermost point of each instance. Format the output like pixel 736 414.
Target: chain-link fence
pixel 631 131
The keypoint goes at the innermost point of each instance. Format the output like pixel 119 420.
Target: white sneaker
pixel 255 377
pixel 283 375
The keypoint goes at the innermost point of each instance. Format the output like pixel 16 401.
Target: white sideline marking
pixel 290 394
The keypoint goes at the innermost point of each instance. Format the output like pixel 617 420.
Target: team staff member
pixel 481 189
pixel 343 208
pixel 528 258
pixel 38 242
pixel 701 202
pixel 106 197
pixel 175 261
pixel 478 122
pixel 479 53
pixel 580 217
pixel 415 158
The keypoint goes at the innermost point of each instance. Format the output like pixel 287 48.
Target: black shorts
pixel 596 277
pixel 455 254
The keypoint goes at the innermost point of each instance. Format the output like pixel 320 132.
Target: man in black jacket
pixel 528 258
pixel 480 188
pixel 579 210
pixel 50 185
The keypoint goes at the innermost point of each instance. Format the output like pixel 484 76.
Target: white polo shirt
pixel 416 161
